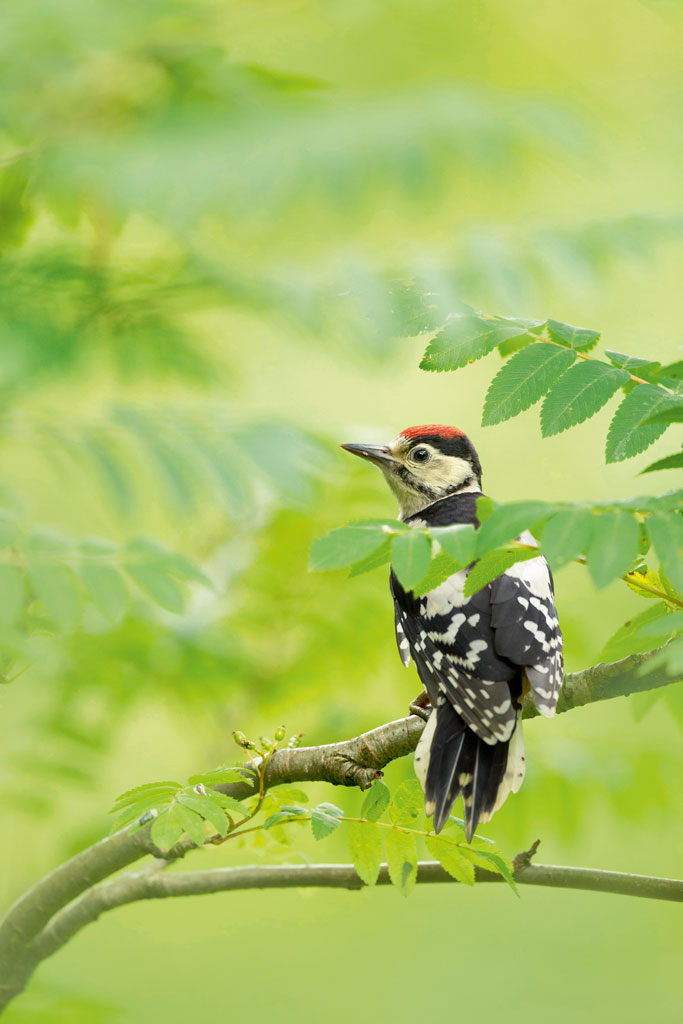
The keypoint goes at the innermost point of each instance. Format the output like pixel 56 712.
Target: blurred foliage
pixel 219 226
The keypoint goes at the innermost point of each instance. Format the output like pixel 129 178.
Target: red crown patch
pixel 432 428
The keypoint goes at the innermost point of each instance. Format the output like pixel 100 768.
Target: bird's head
pixel 424 464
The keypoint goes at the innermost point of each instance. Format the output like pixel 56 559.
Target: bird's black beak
pixel 377 453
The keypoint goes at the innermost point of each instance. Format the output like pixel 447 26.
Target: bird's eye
pixel 420 455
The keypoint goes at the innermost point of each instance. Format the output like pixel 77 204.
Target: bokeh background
pixel 214 221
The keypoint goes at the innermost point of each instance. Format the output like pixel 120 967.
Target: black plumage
pixel 473 656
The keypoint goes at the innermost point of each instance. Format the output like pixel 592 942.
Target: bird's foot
pixel 420 706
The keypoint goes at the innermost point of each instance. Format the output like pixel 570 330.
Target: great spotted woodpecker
pixel 477 656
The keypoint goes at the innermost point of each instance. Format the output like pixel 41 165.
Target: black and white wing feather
pixel 472 655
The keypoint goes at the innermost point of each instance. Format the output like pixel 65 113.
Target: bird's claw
pixel 420 706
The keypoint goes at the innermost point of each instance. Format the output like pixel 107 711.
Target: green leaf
pixel 565 535
pixel 148 551
pixel 492 565
pixel 673 623
pixel 507 522
pixel 229 803
pixel 582 339
pixel 365 847
pixel 451 858
pixel 440 568
pixel 615 542
pixel 458 542
pixel 674 461
pixel 193 824
pixel 522 322
pixel 343 547
pixel 411 554
pixel 628 639
pixel 464 339
pixel 380 556
pixel 673 371
pixel 629 432
pixel 185 568
pixel 401 853
pixel 496 862
pixel 672 413
pixel 506 348
pixel 325 818
pixel 97 547
pixel 12 594
pixel 407 803
pixel 485 508
pixel 286 814
pixel 631 363
pixel 133 812
pixel 151 790
pixel 666 533
pixel 106 589
pixel 667 585
pixel 579 394
pixel 332 809
pixel 523 380
pixel 643 580
pixel 46 542
pixel 208 810
pixel 158 584
pixel 167 829
pixel 57 589
pixel 376 801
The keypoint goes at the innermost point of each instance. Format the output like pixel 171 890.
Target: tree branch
pixel 354 762
pixel 148 885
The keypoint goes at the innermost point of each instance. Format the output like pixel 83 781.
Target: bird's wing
pixel 451 641
pixel 469 651
pixel 526 628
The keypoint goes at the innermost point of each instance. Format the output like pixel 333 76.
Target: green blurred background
pixel 211 215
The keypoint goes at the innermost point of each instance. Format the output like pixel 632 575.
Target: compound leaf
pixel 466 338
pixel 208 809
pixel 523 380
pixel 579 394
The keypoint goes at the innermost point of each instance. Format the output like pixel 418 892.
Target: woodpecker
pixel 476 656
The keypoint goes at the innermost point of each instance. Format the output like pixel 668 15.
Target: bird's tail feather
pixel 451 759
